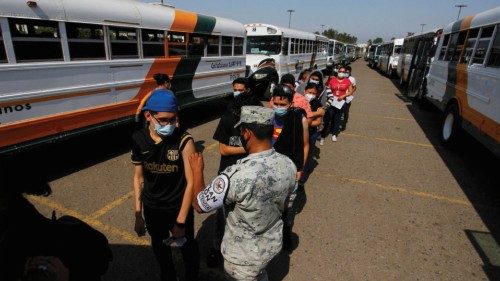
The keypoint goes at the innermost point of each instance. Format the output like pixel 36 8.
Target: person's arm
pixel 138 183
pixel 177 230
pixel 226 150
pixel 347 93
pixel 211 197
pixel 305 132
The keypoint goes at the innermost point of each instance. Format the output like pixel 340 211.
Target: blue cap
pixel 161 100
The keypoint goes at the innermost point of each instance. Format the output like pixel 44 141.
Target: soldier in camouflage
pixel 254 192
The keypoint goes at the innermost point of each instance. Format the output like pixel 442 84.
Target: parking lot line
pixel 110 206
pixel 406 190
pixel 383 117
pixel 388 140
pixel 106 229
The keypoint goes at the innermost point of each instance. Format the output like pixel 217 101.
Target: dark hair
pixel 283 91
pixel 348 67
pixel 161 78
pixel 260 131
pixel 287 79
pixel 303 72
pixel 242 80
pixel 310 86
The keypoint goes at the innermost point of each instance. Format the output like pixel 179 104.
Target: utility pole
pixel 322 29
pixel 460 6
pixel 422 30
pixel 290 17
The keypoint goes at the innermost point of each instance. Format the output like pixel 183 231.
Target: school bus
pixel 68 67
pixel 464 79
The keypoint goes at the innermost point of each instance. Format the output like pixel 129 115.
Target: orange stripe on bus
pixel 43 127
pixel 184 21
pixel 465 24
pixel 55 97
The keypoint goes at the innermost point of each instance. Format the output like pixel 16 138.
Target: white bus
pixel 335 52
pixel 389 57
pixel 464 79
pixel 292 50
pixel 350 53
pixel 67 67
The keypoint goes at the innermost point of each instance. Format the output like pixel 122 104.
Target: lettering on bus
pixel 219 64
pixel 14 108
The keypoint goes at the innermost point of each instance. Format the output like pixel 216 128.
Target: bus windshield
pixel 397 49
pixel 266 45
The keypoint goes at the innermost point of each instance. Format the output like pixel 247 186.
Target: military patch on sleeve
pixel 212 197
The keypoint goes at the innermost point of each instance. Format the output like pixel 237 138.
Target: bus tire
pixel 451 126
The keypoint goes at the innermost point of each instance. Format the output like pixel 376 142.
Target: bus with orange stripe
pixel 464 79
pixel 71 66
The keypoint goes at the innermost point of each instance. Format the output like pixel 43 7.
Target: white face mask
pixel 310 97
pixel 313 81
pixel 341 75
pixel 237 93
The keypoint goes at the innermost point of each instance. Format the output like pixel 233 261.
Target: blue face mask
pixel 280 111
pixel 164 131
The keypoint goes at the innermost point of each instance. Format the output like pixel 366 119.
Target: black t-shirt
pixel 227 134
pixel 163 167
pixel 315 104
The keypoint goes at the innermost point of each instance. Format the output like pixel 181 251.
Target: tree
pixel 343 37
pixel 369 42
pixel 378 40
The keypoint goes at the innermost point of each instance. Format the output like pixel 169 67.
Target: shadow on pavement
pixel 473 166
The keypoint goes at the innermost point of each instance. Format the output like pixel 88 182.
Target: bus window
pixel 302 46
pixel 293 46
pixel 85 41
pixel 482 45
pixel 442 52
pixel 494 60
pixel 213 46
pixel 471 41
pixel 238 46
pixel 284 49
pixel 227 46
pixel 177 44
pixel 123 42
pixel 460 45
pixel 397 50
pixel 3 55
pixel 153 43
pixel 196 46
pixel 451 47
pixel 36 40
pixel 330 49
pixel 268 45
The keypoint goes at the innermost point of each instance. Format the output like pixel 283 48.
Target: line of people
pixel 265 159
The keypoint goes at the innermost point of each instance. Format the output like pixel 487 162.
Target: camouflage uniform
pixel 254 192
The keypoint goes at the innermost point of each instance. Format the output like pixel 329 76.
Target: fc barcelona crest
pixel 173 155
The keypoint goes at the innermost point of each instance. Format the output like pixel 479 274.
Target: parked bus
pixel 389 57
pixel 334 52
pixel 417 54
pixel 74 66
pixel 292 50
pixel 350 53
pixel 464 79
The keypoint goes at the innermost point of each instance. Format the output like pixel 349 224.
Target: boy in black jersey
pixel 163 183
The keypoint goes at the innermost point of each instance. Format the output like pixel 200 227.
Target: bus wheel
pixel 450 129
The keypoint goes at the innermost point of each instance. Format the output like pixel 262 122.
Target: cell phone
pixel 175 242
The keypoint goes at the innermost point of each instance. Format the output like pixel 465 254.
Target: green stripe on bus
pixel 205 24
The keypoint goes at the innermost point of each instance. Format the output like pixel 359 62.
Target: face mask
pixel 243 142
pixel 347 74
pixel 313 81
pixel 279 111
pixel 237 93
pixel 341 75
pixel 164 131
pixel 310 97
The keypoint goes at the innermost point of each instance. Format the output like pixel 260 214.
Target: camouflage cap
pixel 256 115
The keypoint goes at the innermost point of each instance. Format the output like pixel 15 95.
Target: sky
pixel 365 19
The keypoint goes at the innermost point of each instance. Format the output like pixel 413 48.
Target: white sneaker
pixel 322 141
pixel 334 138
